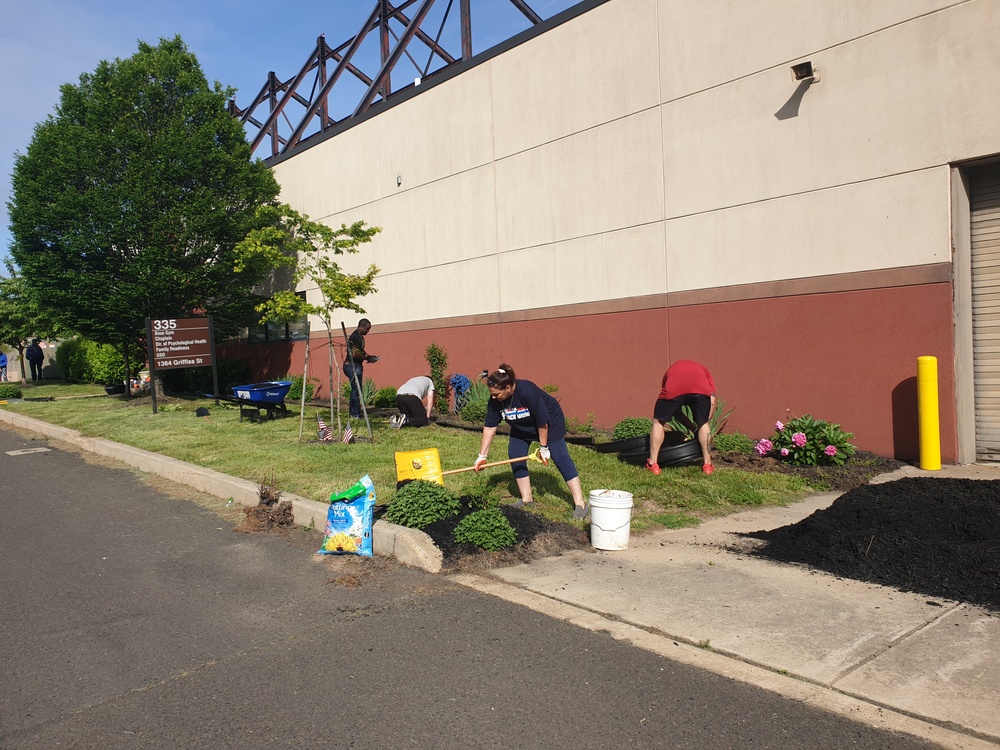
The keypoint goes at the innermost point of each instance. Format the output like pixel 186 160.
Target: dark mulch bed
pixel 937 537
pixel 537 537
pixel 856 472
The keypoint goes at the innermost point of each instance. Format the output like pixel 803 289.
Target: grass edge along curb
pixel 409 546
pixel 311 469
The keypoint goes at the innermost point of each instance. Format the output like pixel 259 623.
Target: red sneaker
pixel 651 467
pixel 707 469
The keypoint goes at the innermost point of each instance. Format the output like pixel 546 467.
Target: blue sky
pixel 46 43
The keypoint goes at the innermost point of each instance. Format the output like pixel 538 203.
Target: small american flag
pixel 348 433
pixel 325 433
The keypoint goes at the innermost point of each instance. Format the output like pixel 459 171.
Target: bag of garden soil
pixel 349 521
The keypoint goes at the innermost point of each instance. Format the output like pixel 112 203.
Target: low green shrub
pixel 295 392
pixel 385 397
pixel 631 427
pixel 10 390
pixel 733 442
pixel 420 503
pixel 476 398
pixel 81 360
pixel 487 529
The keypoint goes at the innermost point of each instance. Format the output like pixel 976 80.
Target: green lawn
pixel 678 497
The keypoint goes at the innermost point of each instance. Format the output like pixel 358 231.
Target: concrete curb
pixel 409 546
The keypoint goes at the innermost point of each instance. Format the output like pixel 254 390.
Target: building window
pixel 270 332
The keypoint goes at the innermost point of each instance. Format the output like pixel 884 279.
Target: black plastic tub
pixel 677 454
pixel 628 445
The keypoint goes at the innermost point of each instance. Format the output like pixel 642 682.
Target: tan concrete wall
pixel 710 44
pixel 655 155
pixel 591 71
pixel 650 134
pixel 901 220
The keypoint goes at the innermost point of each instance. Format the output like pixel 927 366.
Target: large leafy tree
pixel 132 198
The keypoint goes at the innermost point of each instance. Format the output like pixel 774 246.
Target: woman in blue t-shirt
pixel 532 415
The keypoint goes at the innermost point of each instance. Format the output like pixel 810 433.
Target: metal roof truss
pixel 287 112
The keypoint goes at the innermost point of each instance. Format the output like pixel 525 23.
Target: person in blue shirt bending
pixel 533 415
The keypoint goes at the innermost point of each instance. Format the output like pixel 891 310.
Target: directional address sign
pixel 181 342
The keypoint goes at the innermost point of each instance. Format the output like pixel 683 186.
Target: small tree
pixel 437 360
pixel 291 239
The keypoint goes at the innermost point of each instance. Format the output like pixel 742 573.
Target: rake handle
pixel 530 457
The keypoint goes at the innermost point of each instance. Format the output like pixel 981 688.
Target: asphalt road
pixel 133 619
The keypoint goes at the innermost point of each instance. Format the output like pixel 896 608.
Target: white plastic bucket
pixel 610 519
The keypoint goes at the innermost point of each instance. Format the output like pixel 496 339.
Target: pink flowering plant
pixel 804 441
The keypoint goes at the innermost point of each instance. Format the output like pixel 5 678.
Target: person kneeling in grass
pixel 414 399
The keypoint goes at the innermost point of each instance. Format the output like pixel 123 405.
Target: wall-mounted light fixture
pixel 804 71
pixel 399 180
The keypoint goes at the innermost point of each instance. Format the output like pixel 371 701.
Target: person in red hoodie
pixel 685 383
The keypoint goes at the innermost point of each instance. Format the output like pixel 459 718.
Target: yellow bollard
pixel 927 413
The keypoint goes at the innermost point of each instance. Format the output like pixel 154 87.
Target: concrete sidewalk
pixel 929 667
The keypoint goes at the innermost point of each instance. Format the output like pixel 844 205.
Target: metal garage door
pixel 984 194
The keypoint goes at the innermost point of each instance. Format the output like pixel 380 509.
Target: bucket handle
pixel 611 531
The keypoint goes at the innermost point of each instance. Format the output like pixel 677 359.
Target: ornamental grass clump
pixel 685 424
pixel 488 529
pixel 420 503
pixel 474 406
pixel 805 441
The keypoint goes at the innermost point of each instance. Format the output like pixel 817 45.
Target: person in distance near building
pixel 35 358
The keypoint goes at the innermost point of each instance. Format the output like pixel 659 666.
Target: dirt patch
pixel 855 472
pixel 936 537
pixel 355 571
pixel 265 516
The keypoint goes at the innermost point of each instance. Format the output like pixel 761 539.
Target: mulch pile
pixel 936 537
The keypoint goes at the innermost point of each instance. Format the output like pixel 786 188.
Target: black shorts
pixel 667 408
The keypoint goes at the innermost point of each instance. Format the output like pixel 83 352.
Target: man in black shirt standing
pixel 354 364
